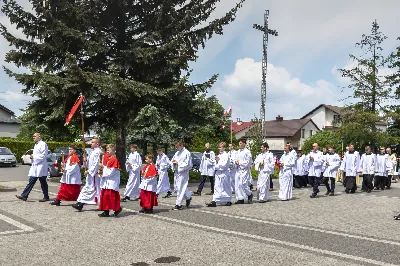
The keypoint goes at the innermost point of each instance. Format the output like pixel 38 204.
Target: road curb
pixel 7 189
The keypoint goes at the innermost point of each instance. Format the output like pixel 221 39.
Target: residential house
pixel 9 124
pixel 239 128
pixel 324 114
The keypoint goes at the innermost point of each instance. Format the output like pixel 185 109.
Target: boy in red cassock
pixel 71 179
pixel 148 186
pixel 109 197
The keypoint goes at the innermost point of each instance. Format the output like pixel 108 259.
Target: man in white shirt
pixel 207 169
pixel 38 169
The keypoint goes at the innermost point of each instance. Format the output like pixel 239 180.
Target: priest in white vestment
pixel 133 165
pixel 162 165
pixel 243 174
pixel 382 167
pixel 264 165
pixel 71 179
pixel 181 164
pixel 222 188
pixel 331 164
pixel 89 193
pixel 367 169
pixel 232 169
pixel 286 163
pixel 350 165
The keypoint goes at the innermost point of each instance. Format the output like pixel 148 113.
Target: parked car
pixel 7 157
pixel 196 158
pixel 64 150
pixel 52 166
pixel 26 159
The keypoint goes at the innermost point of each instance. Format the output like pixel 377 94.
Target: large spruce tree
pixel 122 55
pixel 394 80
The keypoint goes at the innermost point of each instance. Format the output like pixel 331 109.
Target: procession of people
pixel 228 172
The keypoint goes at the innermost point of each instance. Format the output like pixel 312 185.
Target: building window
pixel 310 132
pixel 303 133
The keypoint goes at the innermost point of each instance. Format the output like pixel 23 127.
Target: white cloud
pixel 287 96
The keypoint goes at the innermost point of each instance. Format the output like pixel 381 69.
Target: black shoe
pixel 211 204
pixel 125 199
pixel 331 194
pixel 148 211
pixel 313 197
pixel 56 203
pixel 78 206
pixel 104 214
pixel 44 200
pixel 143 210
pixel 250 198
pixel 209 194
pixel 188 202
pixel 196 193
pixel 239 202
pixel 397 217
pixel 261 201
pixel 228 204
pixel 117 212
pixel 168 195
pixel 177 208
pixel 251 187
pixel 327 193
pixel 347 191
pixel 368 191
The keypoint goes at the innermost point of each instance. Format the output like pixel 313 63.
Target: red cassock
pixel 69 192
pixel 109 198
pixel 148 199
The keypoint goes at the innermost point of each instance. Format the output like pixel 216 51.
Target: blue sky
pixel 315 38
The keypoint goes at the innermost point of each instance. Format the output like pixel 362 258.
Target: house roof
pixel 6 109
pixel 335 109
pixel 285 128
pixel 239 126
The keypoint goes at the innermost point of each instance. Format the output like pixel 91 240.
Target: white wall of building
pixel 309 130
pixel 9 130
pixel 275 143
pixel 319 117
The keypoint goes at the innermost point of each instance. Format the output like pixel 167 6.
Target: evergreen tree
pixel 394 80
pixel 122 55
pixel 369 100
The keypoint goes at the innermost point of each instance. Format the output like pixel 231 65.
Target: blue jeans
pixel 32 181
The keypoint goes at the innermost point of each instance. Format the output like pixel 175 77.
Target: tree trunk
pixel 120 144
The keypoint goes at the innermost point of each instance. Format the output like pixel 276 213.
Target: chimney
pixel 279 118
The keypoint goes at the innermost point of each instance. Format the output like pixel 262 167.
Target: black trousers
pixel 271 184
pixel 351 185
pixel 389 181
pixel 380 182
pixel 367 182
pixel 203 181
pixel 299 181
pixel 330 188
pixel 315 183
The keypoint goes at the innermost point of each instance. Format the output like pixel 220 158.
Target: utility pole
pixel 266 31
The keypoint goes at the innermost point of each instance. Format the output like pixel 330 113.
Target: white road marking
pixel 292 226
pixel 16 223
pixel 271 240
pixel 11 232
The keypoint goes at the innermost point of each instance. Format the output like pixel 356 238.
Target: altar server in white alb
pixel 181 164
pixel 350 165
pixel 232 169
pixel 38 169
pixel 222 188
pixel 89 193
pixel 299 172
pixel 286 163
pixel 264 165
pixel 207 169
pixel 71 179
pixel 243 175
pixel 133 165
pixel 382 167
pixel 162 165
pixel 367 169
pixel 315 160
pixel 331 164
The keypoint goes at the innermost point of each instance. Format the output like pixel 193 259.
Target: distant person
pixel 38 169
pixel 133 165
pixel 162 164
pixel 148 186
pixel 207 169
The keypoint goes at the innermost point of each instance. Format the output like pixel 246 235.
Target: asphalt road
pixel 18 173
pixel 346 229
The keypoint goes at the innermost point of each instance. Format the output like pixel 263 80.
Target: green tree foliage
pixel 370 90
pixel 122 55
pixel 394 81
pixel 324 138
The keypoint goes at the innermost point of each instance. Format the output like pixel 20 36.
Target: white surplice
pixel 300 167
pixel 181 174
pixel 286 176
pixel 222 186
pixel 264 172
pixel 72 173
pixel 367 164
pixel 162 164
pixel 150 183
pixel 243 174
pixel 91 190
pixel 232 168
pixel 350 163
pixel 207 164
pixel 383 165
pixel 39 165
pixel 132 189
pixel 314 167
pixel 110 178
pixel 334 162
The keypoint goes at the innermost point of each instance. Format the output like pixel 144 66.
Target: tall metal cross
pixel 266 32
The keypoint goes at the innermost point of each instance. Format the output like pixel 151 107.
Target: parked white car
pixel 7 157
pixel 26 159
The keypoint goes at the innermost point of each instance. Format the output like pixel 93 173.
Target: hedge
pixel 20 147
